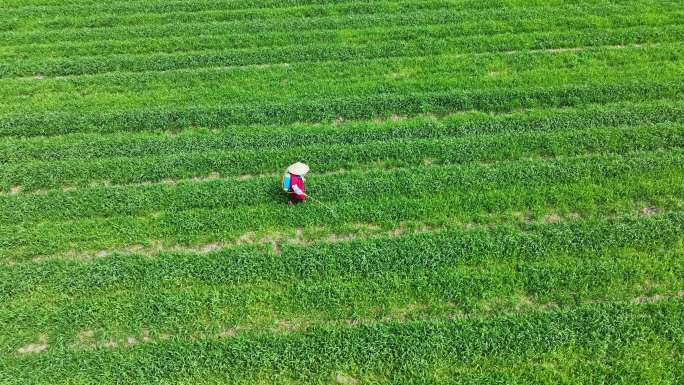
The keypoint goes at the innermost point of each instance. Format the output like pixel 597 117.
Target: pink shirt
pixel 297 187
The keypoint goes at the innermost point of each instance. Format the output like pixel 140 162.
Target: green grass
pixel 500 191
pixel 394 351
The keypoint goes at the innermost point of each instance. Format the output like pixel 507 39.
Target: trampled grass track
pixel 506 180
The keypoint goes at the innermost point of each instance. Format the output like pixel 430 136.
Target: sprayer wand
pixel 323 204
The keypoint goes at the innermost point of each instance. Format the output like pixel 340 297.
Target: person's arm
pixel 297 190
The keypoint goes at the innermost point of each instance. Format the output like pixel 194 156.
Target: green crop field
pixel 499 192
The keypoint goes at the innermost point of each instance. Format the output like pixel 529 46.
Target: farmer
pixel 293 183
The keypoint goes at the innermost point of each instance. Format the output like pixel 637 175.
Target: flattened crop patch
pixel 37 347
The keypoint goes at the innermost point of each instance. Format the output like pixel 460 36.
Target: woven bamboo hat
pixel 298 168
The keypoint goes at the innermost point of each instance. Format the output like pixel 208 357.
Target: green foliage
pixel 499 192
pixel 503 100
pixel 392 351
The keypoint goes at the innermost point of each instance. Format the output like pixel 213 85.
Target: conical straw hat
pixel 298 168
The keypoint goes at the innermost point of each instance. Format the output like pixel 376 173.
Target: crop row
pixel 503 246
pixel 448 248
pixel 149 5
pixel 331 157
pixel 203 40
pixel 200 227
pixel 247 89
pixel 265 92
pixel 139 199
pixel 278 23
pixel 233 17
pixel 97 146
pixel 221 35
pixel 156 6
pixel 206 42
pixel 461 42
pixel 183 303
pixel 377 14
pixel 350 107
pixel 576 342
pixel 336 52
pixel 86 8
pixel 360 78
pixel 134 12
pixel 468 268
pixel 211 28
pixel 539 193
pixel 153 13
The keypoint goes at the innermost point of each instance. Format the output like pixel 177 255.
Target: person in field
pixel 293 183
